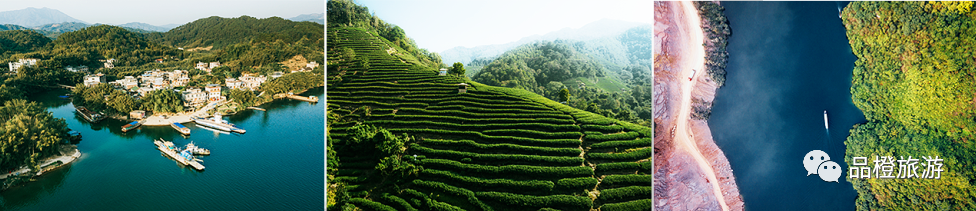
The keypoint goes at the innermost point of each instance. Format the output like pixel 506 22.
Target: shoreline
pixel 68 154
pixel 693 171
pixel 184 117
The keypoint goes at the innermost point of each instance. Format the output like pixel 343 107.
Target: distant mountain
pixel 595 30
pixel 35 17
pixel 6 27
pixel 148 27
pixel 315 17
pixel 61 27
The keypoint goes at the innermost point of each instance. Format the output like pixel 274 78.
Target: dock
pixel 311 99
pixel 165 146
pixel 256 108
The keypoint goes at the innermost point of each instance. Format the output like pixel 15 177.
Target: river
pixel 276 165
pixel 788 62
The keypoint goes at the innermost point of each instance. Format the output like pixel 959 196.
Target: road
pixel 692 58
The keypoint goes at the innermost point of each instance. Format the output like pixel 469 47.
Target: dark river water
pixel 276 165
pixel 788 62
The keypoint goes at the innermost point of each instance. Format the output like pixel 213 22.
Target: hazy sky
pixel 169 11
pixel 438 25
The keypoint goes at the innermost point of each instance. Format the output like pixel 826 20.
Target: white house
pixel 94 79
pixel 233 83
pixel 128 82
pixel 79 68
pixel 251 82
pixel 202 66
pixel 14 66
pixel 109 63
pixel 213 93
pixel 194 97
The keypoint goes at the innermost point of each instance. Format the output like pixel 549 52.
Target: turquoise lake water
pixel 277 165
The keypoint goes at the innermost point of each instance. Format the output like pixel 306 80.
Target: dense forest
pixel 915 81
pixel 717 32
pixel 28 133
pixel 548 67
pixel 532 66
pixel 222 32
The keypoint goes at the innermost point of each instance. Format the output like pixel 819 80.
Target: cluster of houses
pixel 207 66
pixel 308 67
pixel 153 80
pixel 246 82
pixel 192 96
pixel 14 66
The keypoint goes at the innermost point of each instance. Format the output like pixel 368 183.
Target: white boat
pixel 825 120
pixel 197 150
pixel 217 122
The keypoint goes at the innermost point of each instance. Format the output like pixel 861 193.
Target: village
pixel 197 100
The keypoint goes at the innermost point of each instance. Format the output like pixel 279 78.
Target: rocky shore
pixel 684 180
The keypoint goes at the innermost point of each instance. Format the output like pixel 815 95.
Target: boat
pixel 217 122
pixel 825 120
pixel 179 127
pixel 131 126
pixel 215 130
pixel 184 157
pixel 197 150
pixel 74 135
pixel 89 115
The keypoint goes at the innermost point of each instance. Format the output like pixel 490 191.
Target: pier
pixel 165 146
pixel 256 108
pixel 311 99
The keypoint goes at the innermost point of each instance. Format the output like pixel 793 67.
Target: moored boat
pixel 131 126
pixel 197 150
pixel 218 123
pixel 89 115
pixel 179 127
pixel 184 157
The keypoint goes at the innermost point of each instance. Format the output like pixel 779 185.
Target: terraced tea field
pixel 490 148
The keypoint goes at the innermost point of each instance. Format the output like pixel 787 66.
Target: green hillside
pixel 548 67
pixel 221 32
pixel 402 138
pixel 914 81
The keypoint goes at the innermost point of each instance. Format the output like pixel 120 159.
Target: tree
pixel 163 101
pixel 564 95
pixel 458 68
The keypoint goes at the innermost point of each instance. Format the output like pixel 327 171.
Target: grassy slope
pixel 528 148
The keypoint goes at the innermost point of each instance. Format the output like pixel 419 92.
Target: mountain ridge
pixel 595 30
pixel 31 17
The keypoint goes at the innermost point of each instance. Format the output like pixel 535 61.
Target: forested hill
pixel 88 45
pixel 221 32
pixel 345 13
pixel 583 69
pixel 915 81
pixel 21 41
pixel 534 65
